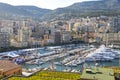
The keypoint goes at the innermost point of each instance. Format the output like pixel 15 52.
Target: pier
pixel 69 58
pixel 78 57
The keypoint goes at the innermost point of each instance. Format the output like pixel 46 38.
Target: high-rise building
pixel 4 39
pixel 57 37
pixel 116 24
pixel 66 36
pixel 71 25
pixel 24 34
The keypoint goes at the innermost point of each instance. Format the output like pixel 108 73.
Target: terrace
pixel 98 74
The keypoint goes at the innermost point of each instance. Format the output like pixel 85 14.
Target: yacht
pixel 103 54
pixel 36 61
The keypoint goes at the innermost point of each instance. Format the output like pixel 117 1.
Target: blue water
pixel 42 51
pixel 114 62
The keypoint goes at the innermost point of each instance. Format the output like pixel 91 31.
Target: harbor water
pixel 55 58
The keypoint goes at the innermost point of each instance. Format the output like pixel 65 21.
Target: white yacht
pixel 103 54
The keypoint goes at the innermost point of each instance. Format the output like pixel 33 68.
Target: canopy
pixel 12 54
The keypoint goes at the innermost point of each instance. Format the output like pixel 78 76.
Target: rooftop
pixel 6 65
pixel 98 74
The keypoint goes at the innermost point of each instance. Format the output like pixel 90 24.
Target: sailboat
pixel 52 66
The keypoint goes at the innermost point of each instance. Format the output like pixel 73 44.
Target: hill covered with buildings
pixel 82 9
pixel 88 8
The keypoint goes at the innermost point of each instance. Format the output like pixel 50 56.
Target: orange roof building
pixel 9 68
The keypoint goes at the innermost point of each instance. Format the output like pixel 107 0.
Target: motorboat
pixel 102 54
pixel 36 61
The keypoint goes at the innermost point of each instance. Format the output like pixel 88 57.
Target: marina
pixel 70 58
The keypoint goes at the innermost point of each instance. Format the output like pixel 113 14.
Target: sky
pixel 48 4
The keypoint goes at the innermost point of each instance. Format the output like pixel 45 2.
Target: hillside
pixel 12 12
pixel 88 8
pixel 82 9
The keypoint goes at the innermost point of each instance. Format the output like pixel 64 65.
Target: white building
pixel 8 30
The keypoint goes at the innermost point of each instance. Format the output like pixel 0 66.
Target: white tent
pixel 12 54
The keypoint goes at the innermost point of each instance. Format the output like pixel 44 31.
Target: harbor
pixel 70 58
